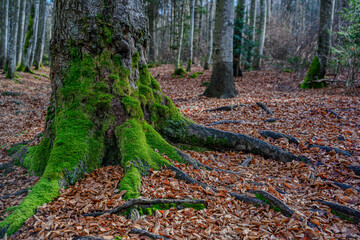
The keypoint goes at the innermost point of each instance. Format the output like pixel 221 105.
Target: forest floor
pixel 327 117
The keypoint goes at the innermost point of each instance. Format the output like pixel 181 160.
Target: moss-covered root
pixel 196 135
pixel 151 235
pixel 140 147
pixel 42 192
pixel 344 212
pixel 313 74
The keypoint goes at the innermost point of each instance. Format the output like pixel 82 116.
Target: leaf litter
pixel 303 114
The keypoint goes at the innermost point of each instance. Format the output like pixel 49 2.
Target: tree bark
pixel 222 78
pixel 192 13
pixel 15 8
pixel 152 12
pixel 20 40
pixel 318 66
pixel 211 34
pixel 252 19
pixel 41 35
pixel 262 27
pixel 178 59
pixel 36 30
pixel 4 33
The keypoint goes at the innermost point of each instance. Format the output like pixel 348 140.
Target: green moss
pixel 194 75
pixel 42 192
pixel 261 197
pixel 179 71
pixel 135 60
pixel 205 84
pixel 131 182
pixel 314 73
pixel 342 215
pixel 133 107
pixel 145 76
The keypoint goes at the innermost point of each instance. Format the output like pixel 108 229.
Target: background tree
pixel 318 66
pixel 262 33
pixel 211 34
pixel 191 39
pixel 15 8
pixel 4 32
pixel 222 78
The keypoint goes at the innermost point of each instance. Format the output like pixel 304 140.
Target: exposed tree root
pixel 274 202
pixel 329 149
pixel 246 162
pixel 140 202
pixel 264 107
pixel 356 169
pixel 276 135
pixel 226 122
pixel 142 232
pixel 223 141
pixel 344 186
pixel 242 197
pixel 343 212
pixel 334 113
pixel 271 120
pixel 18 193
pixel 225 108
pixel 87 238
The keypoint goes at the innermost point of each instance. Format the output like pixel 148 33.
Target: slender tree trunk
pixel 178 59
pixel 36 30
pixel 21 30
pixel 252 19
pixel 15 9
pixel 152 15
pixel 211 34
pixel 4 33
pixel 222 78
pixel 39 50
pixel 318 66
pixel 262 27
pixel 192 12
pixel 239 32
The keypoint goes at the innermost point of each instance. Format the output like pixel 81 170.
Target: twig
pixel 142 232
pixel 335 114
pixel 141 201
pixel 226 122
pixel 246 162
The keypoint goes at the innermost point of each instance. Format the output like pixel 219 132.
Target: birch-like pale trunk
pixel 211 34
pixel 252 19
pixel 192 13
pixel 178 59
pixel 36 29
pixel 21 30
pixel 39 51
pixel 15 8
pixel 262 27
pixel 4 33
pixel 222 78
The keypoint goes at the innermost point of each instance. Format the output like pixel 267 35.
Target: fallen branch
pixel 276 135
pixel 274 202
pixel 246 162
pixel 142 232
pixel 329 149
pixel 264 107
pixel 334 113
pixel 226 122
pixel 141 201
pixel 343 211
pixel 225 108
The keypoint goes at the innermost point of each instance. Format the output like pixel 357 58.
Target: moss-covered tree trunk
pixel 318 66
pixel 107 109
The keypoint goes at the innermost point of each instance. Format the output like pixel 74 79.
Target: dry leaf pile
pixel 302 114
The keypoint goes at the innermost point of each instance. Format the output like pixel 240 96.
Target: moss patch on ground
pixel 314 73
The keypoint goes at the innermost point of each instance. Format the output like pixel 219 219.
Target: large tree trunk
pixel 39 51
pixel 192 13
pixel 106 108
pixel 318 66
pixel 222 78
pixel 152 12
pixel 4 33
pixel 211 34
pixel 15 9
